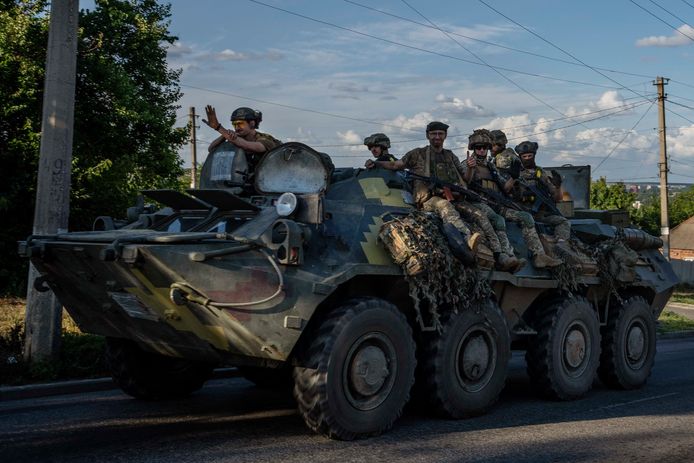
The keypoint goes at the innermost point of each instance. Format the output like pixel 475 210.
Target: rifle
pixel 542 198
pixel 435 182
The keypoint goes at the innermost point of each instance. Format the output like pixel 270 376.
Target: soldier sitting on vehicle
pixel 550 186
pixel 245 134
pixel 433 160
pixel 483 173
pixel 378 144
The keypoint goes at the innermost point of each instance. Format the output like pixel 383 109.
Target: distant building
pixel 682 241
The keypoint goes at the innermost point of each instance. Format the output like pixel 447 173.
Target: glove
pixel 555 178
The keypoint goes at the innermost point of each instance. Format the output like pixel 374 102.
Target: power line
pixel 662 20
pixel 670 13
pixel 486 42
pixel 685 1
pixel 624 138
pixel 680 104
pixel 431 52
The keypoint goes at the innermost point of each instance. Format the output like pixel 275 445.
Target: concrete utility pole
pixel 660 82
pixel 43 314
pixel 193 150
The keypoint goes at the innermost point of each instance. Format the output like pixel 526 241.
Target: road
pixel 231 420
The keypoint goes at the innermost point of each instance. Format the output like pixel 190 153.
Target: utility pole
pixel 660 82
pixel 193 150
pixel 43 312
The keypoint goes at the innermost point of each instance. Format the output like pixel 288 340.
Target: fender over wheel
pixel 564 356
pixel 628 345
pixel 356 374
pixel 465 366
pixel 146 375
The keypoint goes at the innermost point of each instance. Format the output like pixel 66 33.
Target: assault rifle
pixel 542 198
pixel 447 187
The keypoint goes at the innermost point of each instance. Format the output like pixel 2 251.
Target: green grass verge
pixel 81 355
pixel 670 322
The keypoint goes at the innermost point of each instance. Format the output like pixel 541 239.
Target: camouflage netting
pixel 616 264
pixel 436 278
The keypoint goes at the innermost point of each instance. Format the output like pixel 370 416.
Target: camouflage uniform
pixel 444 165
pixel 267 140
pixel 538 177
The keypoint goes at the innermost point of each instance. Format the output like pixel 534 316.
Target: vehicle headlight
pixel 286 204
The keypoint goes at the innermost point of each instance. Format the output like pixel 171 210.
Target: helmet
pixel 246 114
pixel 479 137
pixel 526 147
pixel 498 137
pixel 378 139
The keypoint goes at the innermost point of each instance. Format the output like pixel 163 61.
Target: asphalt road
pixel 231 420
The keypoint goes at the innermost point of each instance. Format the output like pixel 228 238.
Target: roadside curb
pixel 676 335
pixel 30 391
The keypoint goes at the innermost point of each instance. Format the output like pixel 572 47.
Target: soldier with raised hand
pixel 482 172
pixel 433 160
pixel 245 135
pixel 551 185
pixel 378 144
pixel 505 160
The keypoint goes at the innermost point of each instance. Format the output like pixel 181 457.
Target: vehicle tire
pixel 149 376
pixel 465 366
pixel 355 376
pixel 564 356
pixel 628 345
pixel 268 378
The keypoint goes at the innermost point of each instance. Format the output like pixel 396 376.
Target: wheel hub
pixel 475 359
pixel 369 370
pixel 636 343
pixel 574 348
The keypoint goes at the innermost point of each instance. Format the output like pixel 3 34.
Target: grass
pixel 670 322
pixel 81 355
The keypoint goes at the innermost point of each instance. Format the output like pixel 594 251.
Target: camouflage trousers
pixel 527 224
pixel 492 224
pixel 446 211
pixel 562 226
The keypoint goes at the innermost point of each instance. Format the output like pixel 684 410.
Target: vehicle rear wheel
pixel 563 358
pixel 628 345
pixel 150 376
pixel 356 374
pixel 465 366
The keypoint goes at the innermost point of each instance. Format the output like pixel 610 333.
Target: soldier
pixel 506 160
pixel 534 175
pixel 433 160
pixel 485 175
pixel 245 134
pixel 378 144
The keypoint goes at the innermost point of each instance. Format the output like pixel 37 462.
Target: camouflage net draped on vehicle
pixel 616 264
pixel 435 277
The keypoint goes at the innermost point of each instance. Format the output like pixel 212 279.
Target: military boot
pixel 543 260
pixel 506 263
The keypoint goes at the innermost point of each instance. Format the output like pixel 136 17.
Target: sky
pixel 576 77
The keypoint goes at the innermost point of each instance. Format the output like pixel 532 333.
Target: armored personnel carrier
pixel 284 271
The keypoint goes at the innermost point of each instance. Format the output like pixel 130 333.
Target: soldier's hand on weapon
pixel 211 118
pixel 230 135
pixel 471 161
pixel 509 185
pixel 555 178
pixel 369 164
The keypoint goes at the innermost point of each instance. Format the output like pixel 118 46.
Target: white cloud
pixel 350 137
pixel 416 123
pixel 178 50
pixel 677 39
pixel 462 107
pixel 682 143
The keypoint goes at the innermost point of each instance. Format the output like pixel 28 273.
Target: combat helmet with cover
pixel 247 114
pixel 479 137
pixel 378 139
pixel 498 137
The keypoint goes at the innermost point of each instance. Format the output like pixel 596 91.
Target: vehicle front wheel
pixel 355 375
pixel 150 376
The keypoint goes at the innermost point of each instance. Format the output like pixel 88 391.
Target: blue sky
pixel 554 83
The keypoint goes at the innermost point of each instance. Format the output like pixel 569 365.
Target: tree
pixel 125 111
pixel 607 197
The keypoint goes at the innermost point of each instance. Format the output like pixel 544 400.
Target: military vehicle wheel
pixel 149 376
pixel 356 374
pixel 268 378
pixel 563 358
pixel 465 366
pixel 628 345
